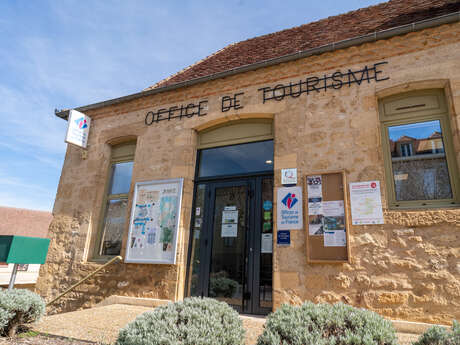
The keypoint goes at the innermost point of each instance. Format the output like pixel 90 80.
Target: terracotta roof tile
pixel 332 29
pixel 22 222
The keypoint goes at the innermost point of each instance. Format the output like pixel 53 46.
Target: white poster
pixel 333 208
pixel 267 243
pixel 229 222
pixel 366 203
pixel 335 238
pixel 289 208
pixel 315 206
pixel 154 224
pixel 78 129
pixel 314 186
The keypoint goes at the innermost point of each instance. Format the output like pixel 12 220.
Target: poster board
pixel 327 218
pixel 154 222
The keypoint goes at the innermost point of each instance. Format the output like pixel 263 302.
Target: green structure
pixel 22 250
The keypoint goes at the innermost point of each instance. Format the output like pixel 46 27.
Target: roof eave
pixel 372 37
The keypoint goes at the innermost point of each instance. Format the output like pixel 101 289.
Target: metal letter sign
pixel 289 208
pixel 78 129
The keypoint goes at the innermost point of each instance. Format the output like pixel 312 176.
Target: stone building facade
pixel 407 268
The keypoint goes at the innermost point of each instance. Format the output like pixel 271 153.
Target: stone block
pixel 286 280
pixel 286 161
pixel 393 298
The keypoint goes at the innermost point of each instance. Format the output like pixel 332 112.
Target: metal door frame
pixel 252 238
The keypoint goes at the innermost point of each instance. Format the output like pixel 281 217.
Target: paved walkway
pixel 101 325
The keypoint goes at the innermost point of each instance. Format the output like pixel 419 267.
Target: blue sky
pixel 65 54
pixel 418 130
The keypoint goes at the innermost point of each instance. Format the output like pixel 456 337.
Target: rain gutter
pixel 372 37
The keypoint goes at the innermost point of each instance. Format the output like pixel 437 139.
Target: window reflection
pixel 419 161
pixel 121 178
pixel 113 227
pixel 237 159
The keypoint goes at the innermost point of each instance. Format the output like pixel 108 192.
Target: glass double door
pixel 231 245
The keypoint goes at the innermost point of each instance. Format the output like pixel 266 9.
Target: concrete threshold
pixel 402 326
pixel 136 301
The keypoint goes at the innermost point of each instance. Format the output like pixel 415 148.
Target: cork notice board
pixel 327 218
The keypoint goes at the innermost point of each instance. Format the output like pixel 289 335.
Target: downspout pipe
pixel 371 37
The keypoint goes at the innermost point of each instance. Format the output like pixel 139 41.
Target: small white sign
pixel 289 208
pixel 266 245
pixel 229 230
pixel 366 203
pixel 78 129
pixel 288 176
pixel 335 238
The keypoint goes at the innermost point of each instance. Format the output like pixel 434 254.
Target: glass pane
pixel 113 227
pixel 266 263
pixel 194 268
pixel 237 159
pixel 121 178
pixel 419 162
pixel 227 259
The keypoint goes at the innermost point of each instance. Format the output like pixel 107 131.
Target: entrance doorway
pixel 230 252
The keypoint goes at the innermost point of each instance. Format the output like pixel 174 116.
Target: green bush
pixel 325 324
pixel 440 336
pixel 194 321
pixel 222 287
pixel 18 307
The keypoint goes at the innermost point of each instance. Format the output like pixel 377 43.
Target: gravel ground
pixel 43 340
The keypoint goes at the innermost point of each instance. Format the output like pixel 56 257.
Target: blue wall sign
pixel 283 238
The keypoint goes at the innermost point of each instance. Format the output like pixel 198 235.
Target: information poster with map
pixel 154 223
pixel 366 203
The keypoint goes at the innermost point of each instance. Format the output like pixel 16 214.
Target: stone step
pixel 254 326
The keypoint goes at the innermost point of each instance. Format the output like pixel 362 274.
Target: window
pixel 420 165
pixel 406 150
pixel 116 200
pixel 236 159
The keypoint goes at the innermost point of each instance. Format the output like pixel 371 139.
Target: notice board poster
pixel 154 223
pixel 327 227
pixel 366 203
pixel 290 207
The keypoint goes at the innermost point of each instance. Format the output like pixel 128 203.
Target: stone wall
pixel 406 269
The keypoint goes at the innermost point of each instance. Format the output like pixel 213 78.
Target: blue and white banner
pixel 289 208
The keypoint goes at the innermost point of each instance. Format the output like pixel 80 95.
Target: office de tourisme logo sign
pixel 78 129
pixel 289 210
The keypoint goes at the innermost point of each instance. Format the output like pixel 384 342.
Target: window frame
pixel 120 153
pixel 440 114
